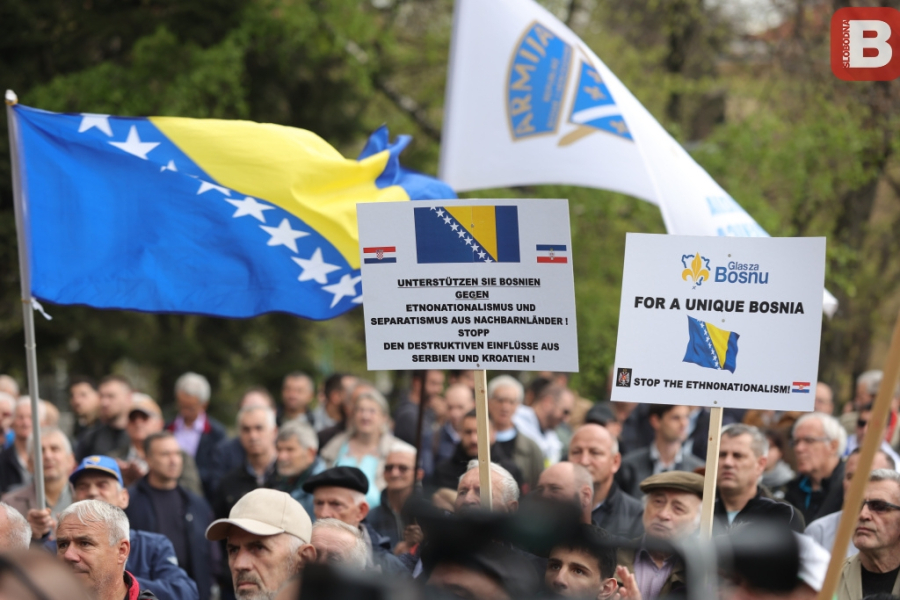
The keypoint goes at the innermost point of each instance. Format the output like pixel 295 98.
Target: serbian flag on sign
pixel 380 254
pixel 552 253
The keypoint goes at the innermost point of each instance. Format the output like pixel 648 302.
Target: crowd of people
pixel 328 492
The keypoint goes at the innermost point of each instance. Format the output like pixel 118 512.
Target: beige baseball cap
pixel 264 512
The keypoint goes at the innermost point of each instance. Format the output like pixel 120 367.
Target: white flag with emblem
pixel 529 103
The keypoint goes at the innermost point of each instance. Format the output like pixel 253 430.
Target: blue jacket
pixel 198 515
pixel 213 433
pixel 153 563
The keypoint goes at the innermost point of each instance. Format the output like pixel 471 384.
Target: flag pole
pixel 27 309
pixel 854 496
pixel 484 438
pixel 708 506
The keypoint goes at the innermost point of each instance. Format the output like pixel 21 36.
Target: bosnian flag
pixel 800 387
pixel 552 253
pixel 380 254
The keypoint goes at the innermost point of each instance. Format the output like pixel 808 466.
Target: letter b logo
pixel 865 44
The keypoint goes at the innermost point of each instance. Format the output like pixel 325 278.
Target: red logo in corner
pixel 865 44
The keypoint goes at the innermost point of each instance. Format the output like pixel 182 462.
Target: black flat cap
pixel 601 413
pixel 344 477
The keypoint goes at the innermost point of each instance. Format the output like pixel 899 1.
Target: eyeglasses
pixel 401 468
pixel 808 440
pixel 880 506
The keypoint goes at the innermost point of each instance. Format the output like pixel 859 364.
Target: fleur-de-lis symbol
pixel 696 272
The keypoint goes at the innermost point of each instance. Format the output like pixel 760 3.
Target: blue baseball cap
pixel 104 464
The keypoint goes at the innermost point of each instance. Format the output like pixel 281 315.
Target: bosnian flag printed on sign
pixel 552 253
pixel 380 254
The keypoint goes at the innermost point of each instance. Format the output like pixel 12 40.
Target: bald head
pixel 595 448
pixel 568 482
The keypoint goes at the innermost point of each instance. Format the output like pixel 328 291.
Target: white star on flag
pixel 283 235
pixel 134 145
pixel 168 167
pixel 488 260
pixel 101 122
pixel 205 186
pixel 468 241
pixel 454 227
pixel 481 255
pixel 249 206
pixel 345 287
pixel 441 212
pixel 358 299
pixel 474 247
pixel 314 268
pixel 446 219
pixel 461 233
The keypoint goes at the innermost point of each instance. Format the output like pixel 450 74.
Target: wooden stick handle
pixel 712 470
pixel 484 438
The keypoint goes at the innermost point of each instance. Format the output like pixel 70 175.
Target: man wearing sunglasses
pixel 400 477
pixel 876 568
pixel 862 426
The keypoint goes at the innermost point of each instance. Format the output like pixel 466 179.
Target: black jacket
pixel 228 456
pixel 813 505
pixel 197 517
pixel 10 476
pixel 620 514
pixel 447 474
pixel 213 433
pixel 234 486
pixel 637 466
pixel 101 439
pixel 383 520
pixel 760 509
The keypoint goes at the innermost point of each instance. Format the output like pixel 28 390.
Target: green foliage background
pixel 804 153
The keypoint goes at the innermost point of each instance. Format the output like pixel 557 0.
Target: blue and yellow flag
pixel 710 346
pixel 453 234
pixel 224 218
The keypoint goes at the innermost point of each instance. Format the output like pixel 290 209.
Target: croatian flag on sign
pixel 800 387
pixel 380 254
pixel 552 253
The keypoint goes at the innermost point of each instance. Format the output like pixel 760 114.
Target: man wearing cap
pixel 152 558
pixel 144 419
pixel 159 504
pixel 340 493
pixel 267 538
pixel 56 452
pixel 671 515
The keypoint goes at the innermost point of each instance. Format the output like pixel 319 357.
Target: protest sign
pixel 720 321
pixel 468 284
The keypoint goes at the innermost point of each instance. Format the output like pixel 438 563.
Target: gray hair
pixel 18 536
pixel 11 383
pixel 885 475
pixel 401 447
pixel 26 400
pixel 98 511
pixel 870 379
pixel 48 431
pixel 509 489
pixel 270 415
pixel 358 555
pixel 759 443
pixel 302 432
pixel 506 381
pixel 832 428
pixel 4 397
pixel 375 396
pixel 194 385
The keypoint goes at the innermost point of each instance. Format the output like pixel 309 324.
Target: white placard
pixel 720 321
pixel 468 284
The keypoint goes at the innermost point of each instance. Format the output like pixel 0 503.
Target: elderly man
pixel 160 504
pixel 109 434
pixel 818 441
pixel 504 491
pixel 666 451
pixel 340 493
pixel 584 568
pixel 595 448
pixel 671 514
pixel 400 475
pixel 197 433
pixel 229 453
pixel 551 405
pixel 152 558
pixel 267 538
pixel 296 447
pixel 58 461
pixel 505 394
pixel 85 402
pixel 743 453
pixel 14 458
pixel 460 400
pixel 257 432
pixel 337 543
pixel 93 538
pixel 570 483
pixel 876 569
pixel 15 533
pixel 297 393
pixel 823 529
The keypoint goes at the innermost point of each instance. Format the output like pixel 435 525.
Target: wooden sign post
pixel 484 438
pixel 708 507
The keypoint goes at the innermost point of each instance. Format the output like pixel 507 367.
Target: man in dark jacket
pixel 594 447
pixel 742 460
pixel 109 434
pixel 197 433
pixel 257 431
pixel 296 447
pixel 817 490
pixel 160 505
pixel 447 473
pixel 340 493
